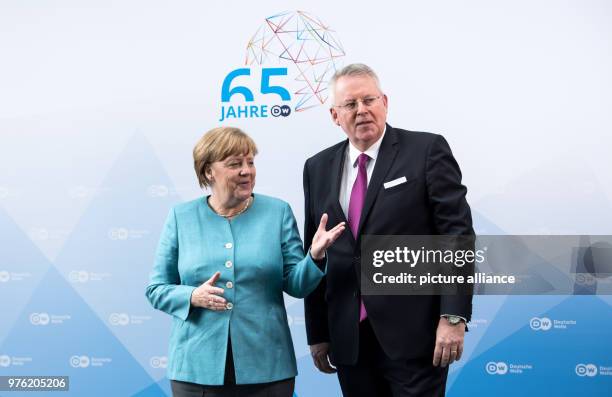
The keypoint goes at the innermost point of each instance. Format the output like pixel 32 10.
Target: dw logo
pixel 540 324
pixel 79 361
pixel 494 368
pixel 39 318
pixel 5 361
pixel 589 370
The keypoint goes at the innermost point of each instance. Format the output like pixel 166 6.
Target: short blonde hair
pixel 354 69
pixel 217 145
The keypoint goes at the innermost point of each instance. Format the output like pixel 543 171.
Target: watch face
pixel 453 320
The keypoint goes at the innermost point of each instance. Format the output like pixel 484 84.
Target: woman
pixel 221 267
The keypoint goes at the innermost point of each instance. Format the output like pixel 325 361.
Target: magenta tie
pixel 358 195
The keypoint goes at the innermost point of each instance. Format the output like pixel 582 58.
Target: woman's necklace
pixel 231 215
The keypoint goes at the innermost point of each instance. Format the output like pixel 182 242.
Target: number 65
pixel 266 88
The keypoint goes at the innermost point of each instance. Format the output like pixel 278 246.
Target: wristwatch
pixel 453 320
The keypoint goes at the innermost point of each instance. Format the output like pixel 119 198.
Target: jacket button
pixel 228 245
pixel 228 264
pixel 229 306
pixel 229 284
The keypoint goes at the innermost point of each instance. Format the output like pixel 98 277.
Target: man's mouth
pixel 360 123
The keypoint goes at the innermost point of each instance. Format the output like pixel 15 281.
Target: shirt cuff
pixel 320 262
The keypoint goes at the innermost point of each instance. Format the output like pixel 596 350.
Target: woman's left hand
pixel 324 238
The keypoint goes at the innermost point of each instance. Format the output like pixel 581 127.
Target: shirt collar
pixel 372 151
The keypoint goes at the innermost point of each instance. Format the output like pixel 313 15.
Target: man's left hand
pixel 449 342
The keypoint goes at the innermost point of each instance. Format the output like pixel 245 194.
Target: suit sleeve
pixel 165 291
pixel 315 307
pixel 301 274
pixel 450 210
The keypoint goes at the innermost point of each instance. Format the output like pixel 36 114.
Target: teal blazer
pixel 259 254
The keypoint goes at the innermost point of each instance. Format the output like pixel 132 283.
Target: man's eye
pixel 351 105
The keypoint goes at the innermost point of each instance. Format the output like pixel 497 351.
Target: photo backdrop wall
pixel 101 103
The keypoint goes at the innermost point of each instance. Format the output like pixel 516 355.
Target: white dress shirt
pixel 350 170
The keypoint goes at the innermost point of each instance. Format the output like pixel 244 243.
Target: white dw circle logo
pixel 78 276
pixel 39 318
pixel 499 368
pixel 540 324
pixel 586 370
pixel 159 362
pixel 119 319
pixel 79 361
pixel 5 361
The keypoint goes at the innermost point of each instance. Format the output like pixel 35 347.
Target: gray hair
pixel 354 69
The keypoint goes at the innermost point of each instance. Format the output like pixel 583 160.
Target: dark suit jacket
pixel 431 202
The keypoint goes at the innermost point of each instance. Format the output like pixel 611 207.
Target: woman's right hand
pixel 206 295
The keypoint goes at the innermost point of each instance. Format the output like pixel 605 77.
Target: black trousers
pixel 375 374
pixel 281 388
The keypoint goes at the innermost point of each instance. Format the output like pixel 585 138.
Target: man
pixel 382 345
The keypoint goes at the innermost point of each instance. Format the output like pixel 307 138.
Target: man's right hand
pixel 320 356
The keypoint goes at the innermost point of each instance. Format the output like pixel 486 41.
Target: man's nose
pixel 361 107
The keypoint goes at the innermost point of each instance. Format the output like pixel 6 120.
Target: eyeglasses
pixel 351 106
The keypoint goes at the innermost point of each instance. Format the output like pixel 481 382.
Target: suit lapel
pixel 386 156
pixel 336 167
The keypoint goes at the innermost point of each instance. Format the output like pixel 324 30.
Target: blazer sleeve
pixel 315 306
pixel 301 274
pixel 165 291
pixel 450 210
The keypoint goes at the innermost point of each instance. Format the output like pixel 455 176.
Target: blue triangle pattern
pixel 81 347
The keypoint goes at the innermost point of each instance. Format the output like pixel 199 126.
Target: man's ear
pixel 334 115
